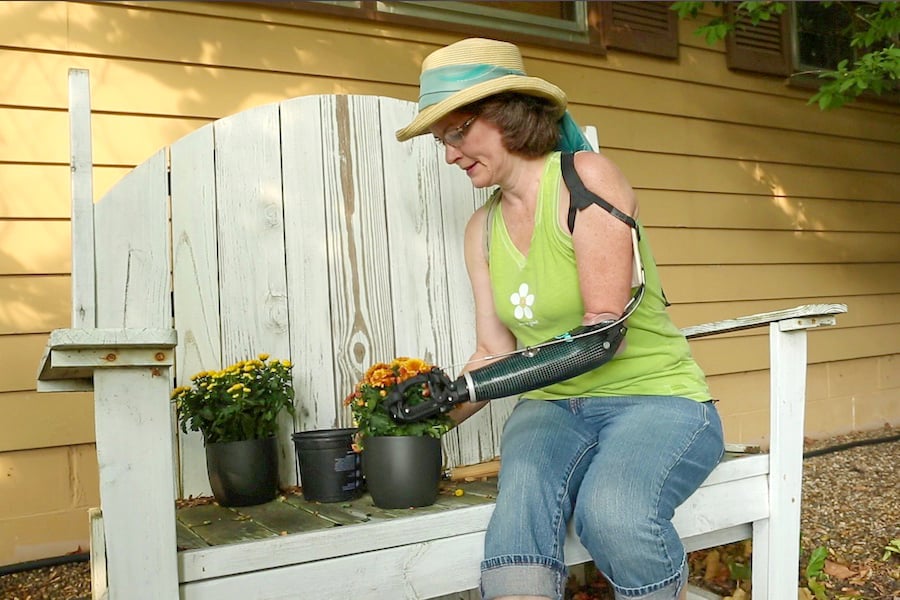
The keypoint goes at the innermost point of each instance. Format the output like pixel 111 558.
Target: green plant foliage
pixel 717 28
pixel 814 572
pixel 892 549
pixel 739 571
pixel 876 72
pixel 240 402
pixel 875 32
pixel 371 416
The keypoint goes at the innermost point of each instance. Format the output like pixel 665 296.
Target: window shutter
pixel 646 27
pixel 761 48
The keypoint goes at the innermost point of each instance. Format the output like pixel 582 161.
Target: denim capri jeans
pixel 618 467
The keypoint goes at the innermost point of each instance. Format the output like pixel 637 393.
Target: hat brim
pixel 531 86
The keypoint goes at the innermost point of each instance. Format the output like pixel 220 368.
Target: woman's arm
pixel 491 336
pixel 603 243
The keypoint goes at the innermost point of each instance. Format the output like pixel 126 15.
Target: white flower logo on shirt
pixel 522 301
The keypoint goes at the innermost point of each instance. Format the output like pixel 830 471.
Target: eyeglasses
pixel 454 137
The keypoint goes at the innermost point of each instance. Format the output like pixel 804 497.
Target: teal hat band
pixel 440 83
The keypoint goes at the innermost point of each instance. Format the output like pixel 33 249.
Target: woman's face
pixel 474 145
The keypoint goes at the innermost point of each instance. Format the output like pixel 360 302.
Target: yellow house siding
pixel 754 201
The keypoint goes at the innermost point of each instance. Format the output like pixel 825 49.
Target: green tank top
pixel 538 297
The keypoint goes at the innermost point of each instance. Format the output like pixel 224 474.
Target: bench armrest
pixel 807 315
pixel 71 355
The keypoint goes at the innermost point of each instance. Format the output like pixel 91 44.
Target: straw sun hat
pixel 470 70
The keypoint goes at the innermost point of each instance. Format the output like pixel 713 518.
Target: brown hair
pixel 529 124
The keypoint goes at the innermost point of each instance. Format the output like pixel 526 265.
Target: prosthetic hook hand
pixel 568 355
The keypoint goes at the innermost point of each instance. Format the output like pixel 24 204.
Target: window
pixel 821 36
pixel 559 21
pixel 810 36
pixel 582 26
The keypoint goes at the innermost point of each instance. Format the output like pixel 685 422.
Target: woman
pixel 616 449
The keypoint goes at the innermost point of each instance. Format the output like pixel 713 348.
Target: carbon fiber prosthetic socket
pixel 576 352
pixel 563 357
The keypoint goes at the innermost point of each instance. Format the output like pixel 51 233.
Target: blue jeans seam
pixel 557 518
pixel 668 473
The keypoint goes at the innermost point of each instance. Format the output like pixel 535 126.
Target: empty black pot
pixel 329 468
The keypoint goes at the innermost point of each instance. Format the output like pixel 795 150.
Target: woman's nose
pixel 451 154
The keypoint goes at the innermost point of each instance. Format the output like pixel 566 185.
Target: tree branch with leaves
pixel 874 33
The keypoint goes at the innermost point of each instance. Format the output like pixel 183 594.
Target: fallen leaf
pixel 739 594
pixel 850 592
pixel 711 567
pixel 804 594
pixel 838 570
pixel 861 577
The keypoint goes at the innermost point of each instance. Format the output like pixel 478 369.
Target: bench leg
pixel 134 452
pixel 761 560
pixel 787 348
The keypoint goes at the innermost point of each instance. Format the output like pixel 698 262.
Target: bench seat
pixel 303 537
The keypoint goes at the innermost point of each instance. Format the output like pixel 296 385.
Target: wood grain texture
pixel 84 308
pixel 132 249
pixel 195 275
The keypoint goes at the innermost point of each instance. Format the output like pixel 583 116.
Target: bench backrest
pixel 300 229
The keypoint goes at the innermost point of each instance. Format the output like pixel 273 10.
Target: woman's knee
pixel 607 514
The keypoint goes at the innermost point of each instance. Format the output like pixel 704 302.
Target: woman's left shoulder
pixel 603 177
pixel 596 165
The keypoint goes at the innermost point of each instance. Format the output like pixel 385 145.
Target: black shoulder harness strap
pixel 580 197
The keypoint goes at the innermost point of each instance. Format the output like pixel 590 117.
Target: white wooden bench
pixel 304 230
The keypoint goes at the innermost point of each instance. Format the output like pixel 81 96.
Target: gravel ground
pixel 851 508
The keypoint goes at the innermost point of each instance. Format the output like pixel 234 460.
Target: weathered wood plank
pixel 281 517
pixel 84 307
pixel 409 572
pixel 187 539
pixel 362 325
pixel 353 512
pixel 252 270
pixel 133 436
pixel 132 249
pixel 418 238
pixel 195 273
pixel 478 438
pixel 227 531
pixel 823 312
pixel 216 524
pixel 306 252
pixel 98 555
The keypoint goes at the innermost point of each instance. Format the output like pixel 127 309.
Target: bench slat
pixel 132 250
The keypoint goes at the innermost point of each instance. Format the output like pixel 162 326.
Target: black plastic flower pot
pixel 329 468
pixel 243 473
pixel 402 471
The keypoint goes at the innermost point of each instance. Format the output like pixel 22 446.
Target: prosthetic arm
pixel 568 355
